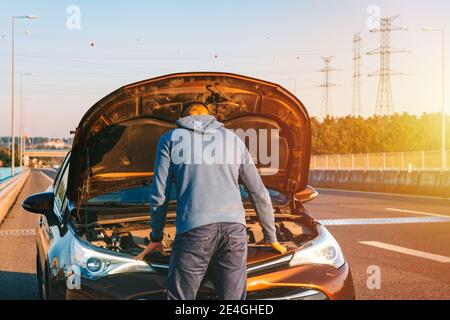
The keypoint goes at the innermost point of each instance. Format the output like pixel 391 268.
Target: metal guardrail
pixel 9 190
pixel 418 182
pixel 5 173
pixel 411 161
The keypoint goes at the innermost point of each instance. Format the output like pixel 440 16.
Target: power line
pixel 385 101
pixel 356 103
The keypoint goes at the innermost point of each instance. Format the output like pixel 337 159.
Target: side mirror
pixel 41 203
pixel 309 194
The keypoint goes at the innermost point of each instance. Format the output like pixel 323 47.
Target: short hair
pixel 187 106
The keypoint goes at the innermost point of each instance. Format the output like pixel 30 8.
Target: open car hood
pixel 115 143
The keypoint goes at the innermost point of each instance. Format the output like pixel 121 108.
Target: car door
pixel 45 230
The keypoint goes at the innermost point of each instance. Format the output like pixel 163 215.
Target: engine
pixel 133 237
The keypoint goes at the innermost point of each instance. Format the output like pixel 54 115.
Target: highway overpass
pixel 46 153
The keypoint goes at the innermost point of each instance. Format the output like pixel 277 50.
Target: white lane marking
pixel 49 179
pixel 417 212
pixel 382 221
pixel 17 233
pixel 383 194
pixel 411 252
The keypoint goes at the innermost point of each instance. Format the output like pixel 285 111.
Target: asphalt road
pixel 407 243
pixel 18 251
pixel 404 274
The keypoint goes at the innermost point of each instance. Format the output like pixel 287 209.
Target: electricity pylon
pixel 356 103
pixel 327 109
pixel 385 103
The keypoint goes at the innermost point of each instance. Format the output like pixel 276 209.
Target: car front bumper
pixel 313 282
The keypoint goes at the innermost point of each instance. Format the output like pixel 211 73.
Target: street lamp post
pixel 23 143
pixel 13 65
pixel 21 148
pixel 444 149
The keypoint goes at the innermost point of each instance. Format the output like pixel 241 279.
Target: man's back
pixel 206 183
pixel 207 161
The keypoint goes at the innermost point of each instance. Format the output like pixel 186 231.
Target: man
pixel 211 226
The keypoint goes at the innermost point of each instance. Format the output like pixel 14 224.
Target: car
pixel 95 219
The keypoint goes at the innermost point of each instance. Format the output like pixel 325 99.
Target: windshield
pixel 140 195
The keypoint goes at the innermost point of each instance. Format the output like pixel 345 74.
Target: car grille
pixel 287 293
pixel 282 293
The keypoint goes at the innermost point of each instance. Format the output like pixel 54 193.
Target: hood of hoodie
pixel 202 124
pixel 115 143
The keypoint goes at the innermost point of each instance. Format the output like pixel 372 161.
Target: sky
pixel 120 42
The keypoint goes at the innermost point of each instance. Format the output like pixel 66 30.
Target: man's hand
pixel 278 247
pixel 152 246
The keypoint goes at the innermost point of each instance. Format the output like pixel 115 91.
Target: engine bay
pixel 133 237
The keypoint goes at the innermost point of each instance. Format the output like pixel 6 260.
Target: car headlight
pixel 94 264
pixel 323 250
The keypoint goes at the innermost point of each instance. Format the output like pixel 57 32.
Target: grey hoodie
pixel 207 187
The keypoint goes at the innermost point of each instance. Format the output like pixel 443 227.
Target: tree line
pixel 397 133
pixel 347 135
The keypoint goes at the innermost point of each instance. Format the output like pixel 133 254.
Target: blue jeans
pixel 219 246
